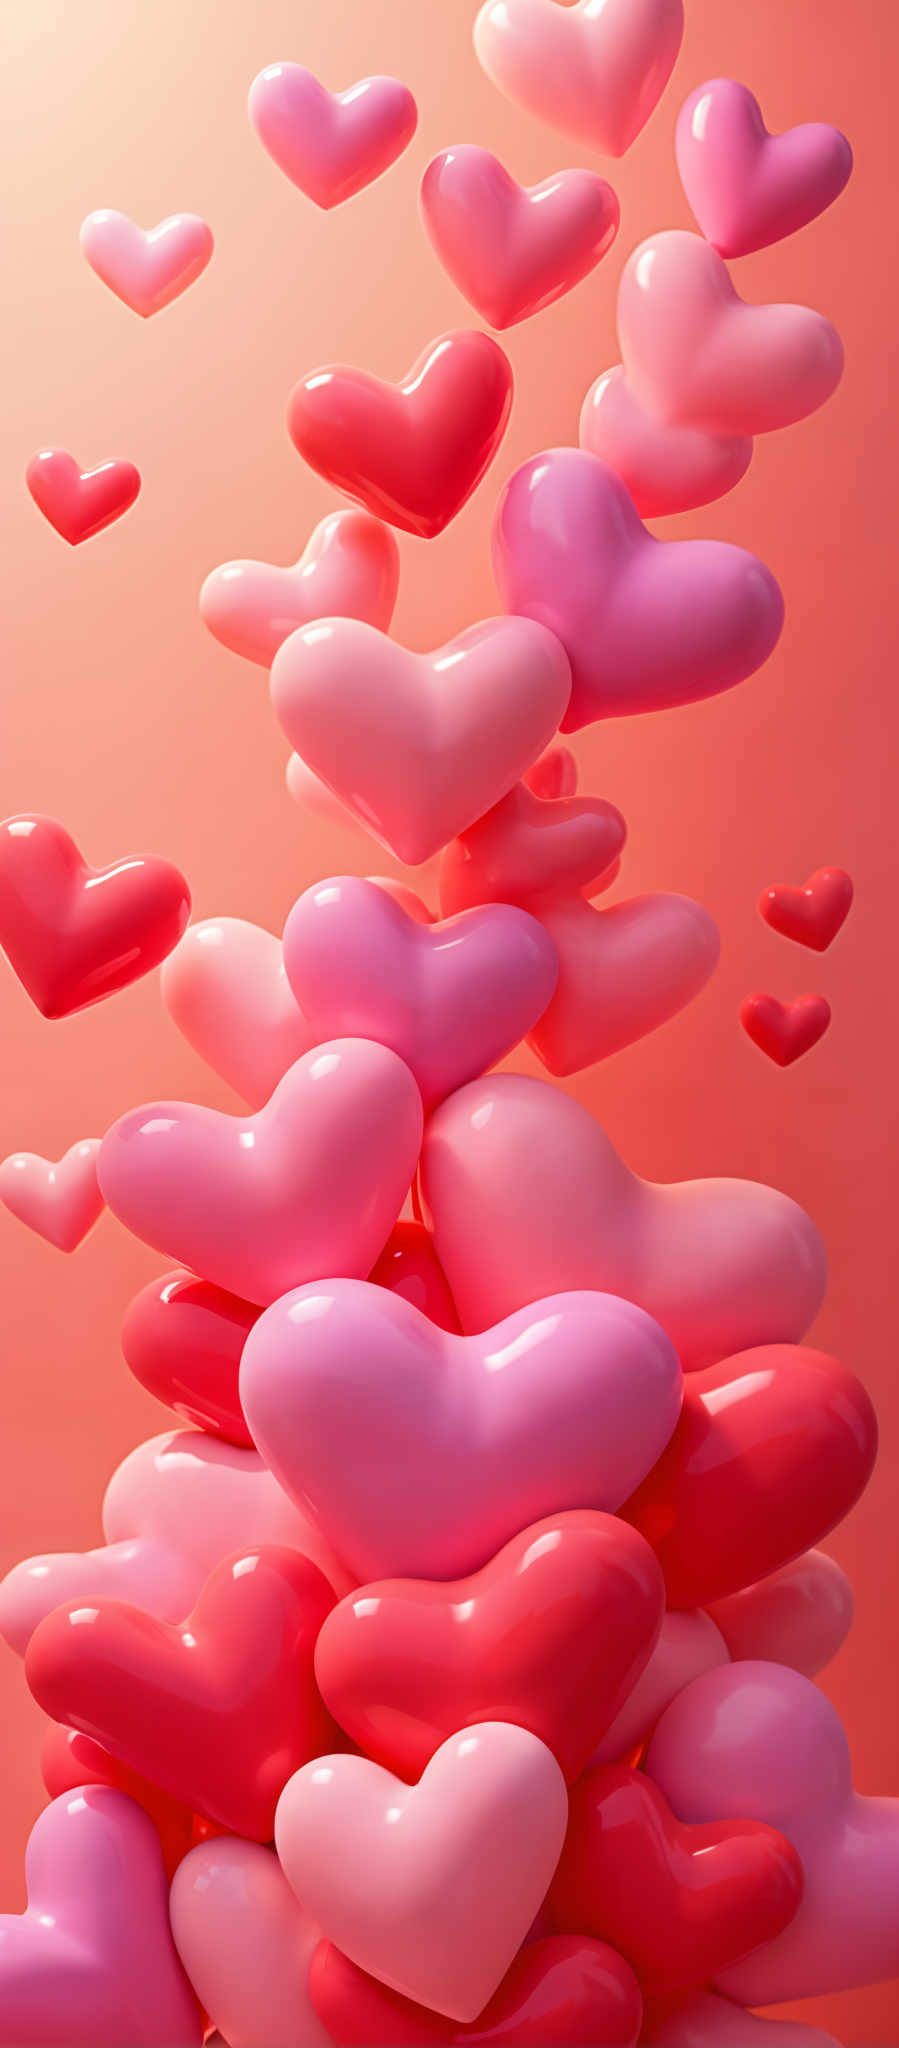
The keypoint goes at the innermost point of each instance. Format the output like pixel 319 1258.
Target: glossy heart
pixel 75 934
pixel 410 452
pixel 799 1615
pixel 430 1887
pixel 409 1266
pixel 146 267
pixel 247 1945
pixel 182 1339
pixel 420 1453
pixel 526 1196
pixel 813 914
pixel 688 1644
pixel 575 1992
pixel 785 1030
pixel 772 1449
pixel 330 144
pixel 419 745
pixel 310 1185
pixel 666 467
pixel 703 2020
pixel 70 1760
pixel 80 502
pixel 349 569
pixel 554 773
pixel 645 623
pixel 748 188
pixel 595 72
pixel 511 250
pixel 225 988
pixel 679 1903
pixel 529 846
pixel 59 1199
pixel 695 352
pixel 91 1961
pixel 623 972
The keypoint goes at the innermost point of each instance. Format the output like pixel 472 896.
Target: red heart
pixel 218 1711
pixel 80 502
pixel 772 1449
pixel 411 452
pixel 409 1266
pixel 75 934
pixel 70 1759
pixel 551 1635
pixel 814 914
pixel 785 1030
pixel 575 1993
pixel 680 1903
pixel 182 1338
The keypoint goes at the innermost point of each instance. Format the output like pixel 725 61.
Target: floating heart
pixel 310 1185
pixel 75 934
pixel 526 1196
pixel 419 745
pixel 247 1945
pixel 349 569
pixel 800 1615
pixel 182 1338
pixel 530 846
pixel 594 72
pixel 772 1450
pixel 61 1199
pixel 812 915
pixel 80 502
pixel 579 1989
pixel 622 973
pixel 421 1453
pixel 330 144
pixel 784 1030
pixel 679 1903
pixel 705 2021
pixel 748 188
pixel 688 1644
pixel 226 989
pixel 91 1961
pixel 666 467
pixel 409 1266
pixel 510 250
pixel 411 452
pixel 646 624
pixel 146 267
pixel 445 1876
pixel 70 1760
pixel 554 773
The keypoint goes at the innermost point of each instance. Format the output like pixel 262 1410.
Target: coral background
pixel 122 716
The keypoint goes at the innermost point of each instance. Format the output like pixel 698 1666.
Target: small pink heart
pixel 622 973
pixel 226 989
pixel 666 467
pixel 594 71
pixel 146 267
pixel 511 250
pixel 330 144
pixel 349 569
pixel 60 1201
pixel 748 188
pixel 529 847
pixel 80 502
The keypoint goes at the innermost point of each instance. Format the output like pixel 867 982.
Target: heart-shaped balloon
pixel 182 1338
pixel 688 1644
pixel 59 1198
pixel 666 467
pixel 703 2020
pixel 146 267
pixel 80 502
pixel 409 1266
pixel 813 914
pixel 512 251
pixel 226 989
pixel 799 1615
pixel 580 1989
pixel 330 144
pixel 623 972
pixel 75 934
pixel 748 188
pixel 247 1945
pixel 594 72
pixel 554 773
pixel 530 846
pixel 784 1031
pixel 70 1760
pixel 349 569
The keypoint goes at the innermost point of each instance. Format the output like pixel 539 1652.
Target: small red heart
pixel 812 915
pixel 679 1903
pixel 219 1710
pixel 785 1030
pixel 574 1992
pixel 182 1338
pixel 75 934
pixel 80 502
pixel 70 1759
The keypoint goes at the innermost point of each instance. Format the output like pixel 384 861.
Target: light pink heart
pixel 689 1644
pixel 748 188
pixel 623 972
pixel 226 989
pixel 595 72
pixel 59 1199
pixel 146 267
pixel 330 144
pixel 246 1944
pixel 800 1615
pixel 666 467
pixel 511 250
pixel 349 568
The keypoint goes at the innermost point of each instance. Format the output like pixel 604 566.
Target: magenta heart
pixel 622 973
pixel 330 144
pixel 748 188
pixel 512 251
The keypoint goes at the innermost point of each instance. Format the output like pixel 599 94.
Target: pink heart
pixel 528 847
pixel 430 1887
pixel 349 569
pixel 511 250
pixel 645 623
pixel 226 989
pixel 800 1615
pixel 696 354
pixel 622 973
pixel 707 2021
pixel 60 1200
pixel 246 1944
pixel 554 773
pixel 689 1644
pixel 91 1960
pixel 421 1453
pixel 748 188
pixel 330 144
pixel 80 502
pixel 308 1186
pixel 595 72
pixel 418 746
pixel 312 794
pixel 146 267
pixel 526 1196
pixel 666 467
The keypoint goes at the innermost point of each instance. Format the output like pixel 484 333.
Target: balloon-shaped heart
pixel 512 251
pixel 813 914
pixel 349 569
pixel 226 989
pixel 70 1759
pixel 799 1615
pixel 530 846
pixel 580 1988
pixel 146 267
pixel 247 1945
pixel 667 467
pixel 784 1031
pixel 330 144
pixel 703 2020
pixel 75 934
pixel 688 1644
pixel 182 1338
pixel 594 72
pixel 80 502
pixel 623 972
pixel 748 188
pixel 59 1198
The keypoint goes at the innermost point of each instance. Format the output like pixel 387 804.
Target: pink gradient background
pixel 125 719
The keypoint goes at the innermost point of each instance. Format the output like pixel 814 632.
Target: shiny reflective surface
pixel 182 1338
pixel 565 1989
pixel 80 502
pixel 800 1615
pixel 349 568
pixel 75 934
pixel 813 914
pixel 58 1198
pixel 247 1944
pixel 70 1760
pixel 225 988
pixel 531 845
pixel 623 972
pixel 784 1031
pixel 146 267
pixel 330 144
pixel 409 1266
pixel 594 70
pixel 512 251
pixel 667 467
pixel 748 188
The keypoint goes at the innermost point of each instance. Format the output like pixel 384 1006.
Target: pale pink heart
pixel 688 1645
pixel 595 70
pixel 707 2021
pixel 419 1453
pixel 697 354
pixel 226 989
pixel 349 568
pixel 526 1196
pixel 59 1199
pixel 246 1944
pixel 666 467
pixel 91 1961
pixel 748 188
pixel 511 250
pixel 419 745
pixel 310 1185
pixel 330 144
pixel 177 1507
pixel 531 846
pixel 146 267
pixel 450 998
pixel 799 1616
pixel 308 790
pixel 430 1887
pixel 623 972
